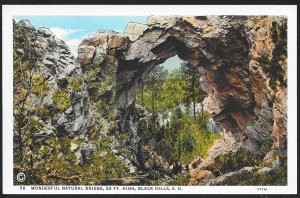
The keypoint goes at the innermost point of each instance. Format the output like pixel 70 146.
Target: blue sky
pixel 72 29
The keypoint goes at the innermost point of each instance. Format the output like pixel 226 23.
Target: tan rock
pixel 85 54
pixel 200 177
pixel 135 28
pixel 161 20
pixel 117 41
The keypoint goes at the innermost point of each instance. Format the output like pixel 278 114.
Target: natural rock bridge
pixel 225 49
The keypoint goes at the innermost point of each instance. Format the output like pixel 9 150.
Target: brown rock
pixel 200 177
pixel 86 54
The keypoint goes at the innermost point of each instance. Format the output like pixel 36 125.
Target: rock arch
pixel 223 48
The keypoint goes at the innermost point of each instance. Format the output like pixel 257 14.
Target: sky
pixel 72 29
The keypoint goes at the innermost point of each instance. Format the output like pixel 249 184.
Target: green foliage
pixel 172 92
pixel 275 66
pixel 168 90
pixel 42 111
pixel 40 85
pixel 33 125
pixel 105 142
pixel 277 177
pixel 150 89
pixel 104 109
pixel 26 81
pixel 100 81
pixel 185 139
pixel 67 172
pixel 237 159
pixel 107 84
pixel 182 138
pixel 61 99
pixel 75 84
pixel 181 180
pixel 234 160
pixel 191 85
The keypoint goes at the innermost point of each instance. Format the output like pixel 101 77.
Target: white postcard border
pixel 8 11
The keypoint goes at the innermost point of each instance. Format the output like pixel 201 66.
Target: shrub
pixel 40 85
pixel 65 171
pixel 181 139
pixel 275 66
pixel 277 177
pixel 237 159
pixel 181 180
pixel 61 99
pixel 75 84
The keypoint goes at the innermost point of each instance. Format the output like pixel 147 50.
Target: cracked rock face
pixel 226 51
pixel 56 64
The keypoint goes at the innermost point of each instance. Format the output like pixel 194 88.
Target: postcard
pixel 149 99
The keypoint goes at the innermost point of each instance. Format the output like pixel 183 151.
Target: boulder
pixel 86 54
pixel 45 31
pixel 200 177
pixel 73 146
pixel 132 169
pixel 264 170
pixel 103 154
pixel 25 24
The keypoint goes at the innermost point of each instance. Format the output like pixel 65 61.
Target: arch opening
pixel 169 115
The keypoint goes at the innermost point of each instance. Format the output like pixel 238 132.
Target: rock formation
pixel 68 112
pixel 227 52
pixel 242 62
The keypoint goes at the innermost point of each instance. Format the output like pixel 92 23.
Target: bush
pixel 180 180
pixel 277 177
pixel 65 171
pixel 181 139
pixel 40 85
pixel 237 159
pixel 61 99
pixel 275 66
pixel 75 84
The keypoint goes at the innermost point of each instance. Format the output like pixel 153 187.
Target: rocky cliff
pixel 65 98
pixel 242 61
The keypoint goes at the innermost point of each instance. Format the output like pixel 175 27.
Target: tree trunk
pixel 20 142
pixel 194 96
pixel 153 106
pixel 179 146
pixel 142 92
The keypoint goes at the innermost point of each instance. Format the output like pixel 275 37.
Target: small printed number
pixel 262 189
pixel 22 187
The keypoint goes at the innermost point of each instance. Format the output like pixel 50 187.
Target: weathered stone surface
pixel 45 31
pixel 224 48
pixel 135 30
pixel 264 170
pixel 25 24
pixel 161 20
pixel 280 118
pixel 200 177
pixel 57 65
pixel 86 54
pixel 223 177
pixel 152 161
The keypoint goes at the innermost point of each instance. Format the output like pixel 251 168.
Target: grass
pixel 277 177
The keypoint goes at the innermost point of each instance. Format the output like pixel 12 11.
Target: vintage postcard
pixel 149 99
